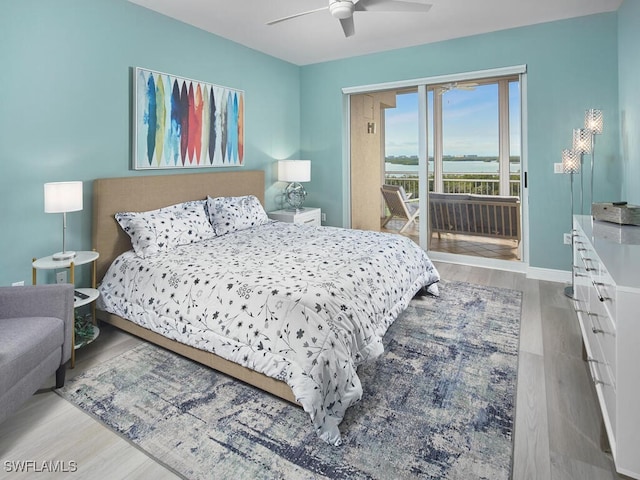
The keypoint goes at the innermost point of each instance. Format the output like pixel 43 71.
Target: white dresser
pixel 607 299
pixel 308 215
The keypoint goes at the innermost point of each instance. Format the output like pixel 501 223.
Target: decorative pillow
pixel 166 228
pixel 231 214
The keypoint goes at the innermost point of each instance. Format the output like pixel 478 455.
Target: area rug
pixel 438 404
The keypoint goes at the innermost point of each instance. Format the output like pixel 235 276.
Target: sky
pixel 470 122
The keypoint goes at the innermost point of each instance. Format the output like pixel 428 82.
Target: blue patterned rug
pixel 438 404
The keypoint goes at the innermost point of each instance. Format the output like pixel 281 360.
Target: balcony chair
pixel 399 205
pixel 35 340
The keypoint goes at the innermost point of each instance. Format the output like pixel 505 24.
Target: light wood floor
pixel 558 426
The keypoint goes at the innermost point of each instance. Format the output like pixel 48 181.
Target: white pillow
pixel 231 214
pixel 163 229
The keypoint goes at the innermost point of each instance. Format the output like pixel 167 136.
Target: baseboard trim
pixel 483 262
pixel 548 274
pixel 534 273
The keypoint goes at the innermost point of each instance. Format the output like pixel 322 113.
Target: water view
pixel 454 166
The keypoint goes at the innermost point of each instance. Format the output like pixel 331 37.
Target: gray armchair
pixel 35 340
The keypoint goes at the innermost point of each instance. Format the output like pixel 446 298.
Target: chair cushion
pixel 24 343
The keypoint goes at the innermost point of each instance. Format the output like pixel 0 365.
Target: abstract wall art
pixel 183 123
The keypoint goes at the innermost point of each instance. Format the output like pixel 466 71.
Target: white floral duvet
pixel 298 303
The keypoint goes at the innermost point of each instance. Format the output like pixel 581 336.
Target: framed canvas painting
pixel 183 123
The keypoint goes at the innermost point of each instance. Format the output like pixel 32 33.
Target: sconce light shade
pixel 61 197
pixel 582 140
pixel 593 121
pixel 570 161
pixel 294 170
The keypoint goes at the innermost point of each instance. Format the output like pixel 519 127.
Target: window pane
pixel 401 143
pixel 470 130
pixel 401 133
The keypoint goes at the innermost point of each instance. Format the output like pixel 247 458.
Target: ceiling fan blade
pixel 295 15
pixel 347 26
pixel 391 6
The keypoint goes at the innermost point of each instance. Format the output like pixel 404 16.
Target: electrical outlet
pixel 61 277
pixel 558 168
pixel 18 284
pixel 324 217
pixel 566 237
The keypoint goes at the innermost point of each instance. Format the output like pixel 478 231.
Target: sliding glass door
pixel 474 167
pixel 452 145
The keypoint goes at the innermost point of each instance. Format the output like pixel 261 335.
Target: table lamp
pixel 294 171
pixel 63 197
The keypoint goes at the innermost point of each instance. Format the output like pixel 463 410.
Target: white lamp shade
pixel 294 170
pixel 582 140
pixel 60 197
pixel 570 161
pixel 593 121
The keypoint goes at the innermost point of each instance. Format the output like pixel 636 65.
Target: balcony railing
pixel 471 183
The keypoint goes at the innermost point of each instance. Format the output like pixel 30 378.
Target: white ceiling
pixel 318 37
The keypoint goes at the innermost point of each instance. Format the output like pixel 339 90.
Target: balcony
pixel 470 183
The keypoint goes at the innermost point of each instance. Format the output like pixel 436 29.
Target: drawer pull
pixel 595 285
pixel 597 330
pixel 589 267
pixel 311 220
pixel 593 360
pixel 596 381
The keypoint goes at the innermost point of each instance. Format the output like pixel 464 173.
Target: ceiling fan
pixel 343 10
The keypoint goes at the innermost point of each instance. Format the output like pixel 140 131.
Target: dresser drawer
pixel 307 215
pixel 603 333
pixel 607 398
pixel 310 217
pixel 591 344
pixel 606 291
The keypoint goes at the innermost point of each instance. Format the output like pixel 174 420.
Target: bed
pixel 291 309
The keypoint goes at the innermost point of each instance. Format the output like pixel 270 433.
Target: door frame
pixel 421 85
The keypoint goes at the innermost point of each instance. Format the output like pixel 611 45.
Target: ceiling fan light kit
pixel 341 9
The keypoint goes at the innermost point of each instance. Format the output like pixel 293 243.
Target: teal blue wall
pixel 65 94
pixel 571 65
pixel 65 107
pixel 629 91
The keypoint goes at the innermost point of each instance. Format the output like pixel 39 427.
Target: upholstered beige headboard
pixel 142 193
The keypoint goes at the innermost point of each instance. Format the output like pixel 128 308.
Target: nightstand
pixel 84 296
pixel 308 215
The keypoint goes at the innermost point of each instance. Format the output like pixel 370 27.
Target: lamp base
pixel 63 255
pixel 295 195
